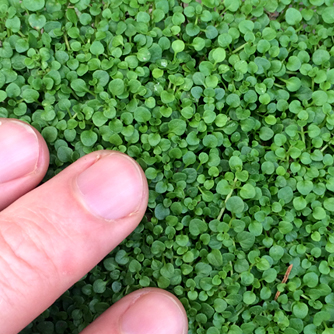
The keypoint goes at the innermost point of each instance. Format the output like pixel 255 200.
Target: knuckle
pixel 25 257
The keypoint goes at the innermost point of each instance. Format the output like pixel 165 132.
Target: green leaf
pixel 223 187
pixel 328 15
pixel 317 2
pixel 192 29
pixel 30 95
pixel 50 134
pixel 320 317
pixel 311 279
pixel 233 100
pixel 268 33
pixel 33 5
pixel 293 16
pixel 102 77
pixel 255 228
pixel 246 26
pixel 299 203
pixel 320 57
pixel 21 45
pixel 276 252
pixel 247 278
pixel 293 64
pixel 143 17
pixel 143 55
pixel 249 297
pixel 319 213
pixel 198 43
pixel 99 286
pixel 178 46
pixel 268 167
pixel 3 95
pixel 197 226
pixel 116 87
pixel 85 19
pixel 235 163
pixel 300 310
pixel 99 119
pixel 177 126
pixel 313 130
pixel 328 331
pixel 37 21
pixel 235 204
pixel 269 275
pixel 247 191
pixel 263 264
pixel 142 114
pixel 209 3
pixel 97 48
pixel 319 98
pixel 211 32
pixel 167 97
pixel 218 55
pixel 232 5
pixel 13 24
pixel 329 204
pixel 293 84
pixel 88 138
pixel 305 187
pixel 215 258
pixel 64 154
pixel 79 85
pixel 158 15
pixel 210 141
pixel 13 90
pixel 134 266
pixel 286 194
pixel 245 239
pixel 266 133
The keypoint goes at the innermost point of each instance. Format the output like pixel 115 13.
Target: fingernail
pixel 153 313
pixel 112 187
pixel 19 150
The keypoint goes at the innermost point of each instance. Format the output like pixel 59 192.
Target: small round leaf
pixel 34 5
pixel 293 16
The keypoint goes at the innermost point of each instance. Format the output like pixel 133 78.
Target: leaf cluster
pixel 228 107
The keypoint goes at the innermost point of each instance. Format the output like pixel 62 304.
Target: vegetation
pixel 228 107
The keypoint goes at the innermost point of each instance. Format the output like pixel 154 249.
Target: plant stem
pixel 323 149
pixel 239 48
pixel 303 135
pixel 66 42
pixel 227 198
pixel 305 297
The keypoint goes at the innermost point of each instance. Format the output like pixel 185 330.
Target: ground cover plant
pixel 228 107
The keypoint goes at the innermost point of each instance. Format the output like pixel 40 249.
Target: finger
pixel 52 236
pixel 24 159
pixel 145 311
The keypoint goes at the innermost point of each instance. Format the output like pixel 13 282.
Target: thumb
pixel 52 236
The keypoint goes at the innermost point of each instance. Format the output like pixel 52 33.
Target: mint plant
pixel 228 107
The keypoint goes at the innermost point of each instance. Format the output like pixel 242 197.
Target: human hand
pixel 51 236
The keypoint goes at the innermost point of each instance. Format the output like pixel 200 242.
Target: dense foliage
pixel 228 107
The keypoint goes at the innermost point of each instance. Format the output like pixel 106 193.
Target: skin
pixel 50 238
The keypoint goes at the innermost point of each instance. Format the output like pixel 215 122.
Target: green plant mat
pixel 228 107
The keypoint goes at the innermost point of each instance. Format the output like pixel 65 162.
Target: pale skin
pixel 51 235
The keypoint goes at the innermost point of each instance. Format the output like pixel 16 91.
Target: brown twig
pixel 285 278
